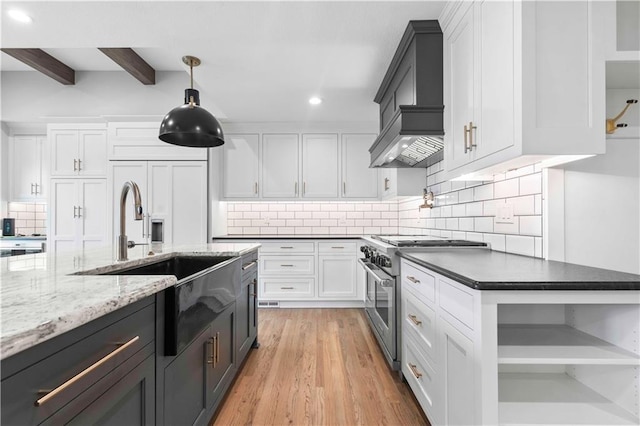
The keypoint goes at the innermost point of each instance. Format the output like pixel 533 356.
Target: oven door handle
pixel 384 282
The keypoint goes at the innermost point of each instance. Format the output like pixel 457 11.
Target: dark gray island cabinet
pixel 113 370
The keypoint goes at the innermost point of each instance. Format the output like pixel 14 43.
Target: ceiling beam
pixel 45 63
pixel 132 63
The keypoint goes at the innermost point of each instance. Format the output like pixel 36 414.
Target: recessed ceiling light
pixel 315 100
pixel 19 16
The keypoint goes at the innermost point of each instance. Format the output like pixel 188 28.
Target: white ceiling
pixel 261 61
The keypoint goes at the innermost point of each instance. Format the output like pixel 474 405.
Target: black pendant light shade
pixel 190 124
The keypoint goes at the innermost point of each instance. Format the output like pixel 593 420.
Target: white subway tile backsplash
pixel 506 228
pixel 328 207
pixel 531 225
pixel 321 230
pixel 458 235
pixel 520 245
pixel 538 204
pixel 293 207
pixel 302 230
pixel 446 234
pixel 466 224
pixel 452 223
pixel 363 222
pixel 523 205
pixel 506 188
pixel 302 215
pixel 465 196
pixel 372 215
pixel 474 209
pixel 355 215
pixel 320 215
pixel 445 187
pixel 364 207
pixel 441 223
pixel 490 208
pixel 457 185
pixel 250 231
pixel 295 222
pixel 346 207
pixel 483 224
pixel 484 192
pixel 277 207
pixel 236 215
pixel 283 230
pixel 234 230
pixel 531 184
pixel 286 215
pixel 329 222
pixel 355 230
pixel 538 246
pixel 312 222
pixel 474 236
pixel 380 207
pixel 496 241
pixel 445 211
pixel 458 210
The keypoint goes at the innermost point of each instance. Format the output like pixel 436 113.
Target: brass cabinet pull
pixel 79 164
pixel 255 281
pixel 248 265
pixel 304 187
pixel 37 188
pixel 466 139
pixel 413 279
pixel 255 188
pixel 414 319
pixel 414 370
pixel 31 189
pixel 79 211
pixel 74 212
pixel 212 359
pixel 253 295
pixel 217 347
pixel 344 188
pixel 84 372
pixel 471 129
pixel 75 166
pixel 386 184
pixel 286 288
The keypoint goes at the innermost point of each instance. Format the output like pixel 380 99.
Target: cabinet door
pixel 457 370
pixel 358 180
pixel 280 166
pixel 240 166
pixel 337 277
pixel 92 213
pixel 245 314
pixel 64 213
pixel 64 152
pixel 42 181
pixel 121 172
pixel 129 402
pixel 221 370
pixel 185 383
pixel 320 166
pixel 24 163
pixel 92 152
pixel 494 111
pixel 459 84
pixel 188 221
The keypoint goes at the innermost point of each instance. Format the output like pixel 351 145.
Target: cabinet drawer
pixel 287 265
pixel 456 302
pixel 288 247
pixel 287 288
pixel 337 247
pixel 420 321
pixel 87 361
pixel 421 378
pixel 419 281
pixel 249 264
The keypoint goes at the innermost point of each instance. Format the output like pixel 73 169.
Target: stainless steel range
pixel 381 264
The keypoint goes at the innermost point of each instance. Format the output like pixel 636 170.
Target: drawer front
pixel 420 321
pixel 288 247
pixel 338 247
pixel 287 265
pixel 287 288
pixel 456 302
pixel 88 360
pixel 249 264
pixel 419 281
pixel 421 378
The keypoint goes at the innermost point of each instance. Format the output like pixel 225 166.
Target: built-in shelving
pixel 555 398
pixel 557 344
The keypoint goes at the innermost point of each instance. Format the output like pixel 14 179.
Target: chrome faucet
pixel 137 199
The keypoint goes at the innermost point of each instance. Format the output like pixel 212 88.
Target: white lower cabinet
pixel 337 277
pixel 78 218
pixel 519 357
pixel 174 200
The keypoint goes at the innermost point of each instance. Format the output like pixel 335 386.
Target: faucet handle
pixel 132 244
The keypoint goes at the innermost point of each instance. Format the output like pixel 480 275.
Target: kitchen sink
pixel 206 286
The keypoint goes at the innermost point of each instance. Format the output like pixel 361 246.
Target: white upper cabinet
pixel 79 151
pixel 280 171
pixel 358 180
pixel 28 168
pixel 241 166
pixel 320 166
pixel 523 82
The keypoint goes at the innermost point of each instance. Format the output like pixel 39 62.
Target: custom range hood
pixel 411 101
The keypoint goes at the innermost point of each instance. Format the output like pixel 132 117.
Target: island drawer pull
pixel 84 372
pixel 286 288
pixel 212 359
pixel 337 247
pixel 217 358
pixel 414 319
pixel 414 370
pixel 248 265
pixel 288 266
pixel 286 247
pixel 413 279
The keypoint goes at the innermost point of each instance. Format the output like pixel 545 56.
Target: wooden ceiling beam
pixel 132 63
pixel 41 61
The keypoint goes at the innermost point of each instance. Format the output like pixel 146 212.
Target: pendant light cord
pixel 191 71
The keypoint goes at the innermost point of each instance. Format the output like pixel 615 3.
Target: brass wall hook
pixel 612 125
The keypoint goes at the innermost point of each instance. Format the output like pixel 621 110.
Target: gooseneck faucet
pixel 137 199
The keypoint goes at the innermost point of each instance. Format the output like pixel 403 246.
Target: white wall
pixel 602 208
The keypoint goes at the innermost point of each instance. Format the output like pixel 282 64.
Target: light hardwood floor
pixel 317 367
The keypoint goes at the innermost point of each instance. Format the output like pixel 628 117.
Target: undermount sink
pixel 206 286
pixel 183 267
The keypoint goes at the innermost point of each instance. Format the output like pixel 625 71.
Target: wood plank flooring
pixel 317 367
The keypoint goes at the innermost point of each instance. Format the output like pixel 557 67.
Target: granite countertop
pixel 41 300
pixel 484 269
pixel 287 237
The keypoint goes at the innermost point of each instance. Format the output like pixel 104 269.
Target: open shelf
pixel 557 344
pixel 551 398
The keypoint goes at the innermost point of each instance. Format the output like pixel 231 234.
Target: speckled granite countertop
pixel 41 300
pixel 484 269
pixel 287 237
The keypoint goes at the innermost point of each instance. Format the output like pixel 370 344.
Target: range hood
pixel 411 101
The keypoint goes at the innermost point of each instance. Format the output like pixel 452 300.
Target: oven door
pixel 380 305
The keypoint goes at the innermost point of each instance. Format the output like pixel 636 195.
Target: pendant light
pixel 190 124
